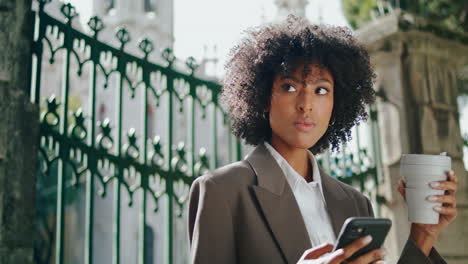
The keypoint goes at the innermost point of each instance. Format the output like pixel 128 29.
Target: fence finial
pixel 69 11
pixel 96 25
pixel 146 46
pixel 168 56
pixel 123 36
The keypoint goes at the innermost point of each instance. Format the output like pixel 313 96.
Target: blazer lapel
pixel 339 205
pixel 279 205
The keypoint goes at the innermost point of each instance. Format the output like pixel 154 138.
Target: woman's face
pixel 300 109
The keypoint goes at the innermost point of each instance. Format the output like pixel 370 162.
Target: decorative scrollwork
pixel 181 191
pixel 181 90
pixel 156 156
pixel 146 46
pixel 335 168
pixel 51 118
pixel 366 159
pixel 104 140
pixel 192 65
pixel 132 75
pixel 156 189
pixel 179 163
pixel 202 166
pixel 204 97
pixel 168 56
pixel 123 36
pixel 158 84
pixel 78 130
pixel 108 64
pixel 69 11
pixel 102 191
pixel 96 25
pixel 131 149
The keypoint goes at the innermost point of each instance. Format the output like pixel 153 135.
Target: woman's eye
pixel 322 90
pixel 289 88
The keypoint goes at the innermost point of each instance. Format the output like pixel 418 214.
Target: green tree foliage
pixel 359 12
pixel 452 14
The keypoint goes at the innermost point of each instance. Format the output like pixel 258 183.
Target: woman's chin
pixel 299 141
pixel 303 144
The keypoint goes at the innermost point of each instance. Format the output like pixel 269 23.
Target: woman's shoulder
pixel 234 174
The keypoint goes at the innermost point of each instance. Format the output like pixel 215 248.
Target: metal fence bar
pixel 169 181
pixel 359 160
pixel 192 129
pixel 229 138
pixel 92 159
pixel 38 48
pixel 238 149
pixel 215 137
pixel 119 170
pixel 64 150
pixel 144 176
pixel 378 175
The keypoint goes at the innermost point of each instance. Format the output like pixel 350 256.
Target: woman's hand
pixel 425 235
pixel 318 255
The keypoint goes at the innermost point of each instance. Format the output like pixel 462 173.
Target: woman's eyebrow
pixel 290 77
pixel 322 80
pixel 299 81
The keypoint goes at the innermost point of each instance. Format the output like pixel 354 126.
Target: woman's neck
pixel 297 158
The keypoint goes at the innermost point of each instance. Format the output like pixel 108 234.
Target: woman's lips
pixel 304 126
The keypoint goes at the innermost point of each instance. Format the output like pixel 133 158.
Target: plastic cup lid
pixel 424 159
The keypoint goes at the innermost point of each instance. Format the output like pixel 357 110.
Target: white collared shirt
pixel 310 198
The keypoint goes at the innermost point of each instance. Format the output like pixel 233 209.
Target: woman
pixel 293 90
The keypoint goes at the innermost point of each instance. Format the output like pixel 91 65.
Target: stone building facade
pixel 418 78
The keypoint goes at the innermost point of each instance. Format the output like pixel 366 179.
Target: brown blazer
pixel 246 213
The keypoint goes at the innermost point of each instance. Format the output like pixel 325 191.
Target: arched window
pixel 150 5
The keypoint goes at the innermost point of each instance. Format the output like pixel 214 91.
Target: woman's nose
pixel 305 102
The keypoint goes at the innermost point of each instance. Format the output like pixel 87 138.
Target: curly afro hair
pixel 277 49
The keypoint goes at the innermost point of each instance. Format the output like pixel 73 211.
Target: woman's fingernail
pixel 367 240
pixel 432 198
pixel 383 252
pixel 438 208
pixel 435 184
pixel 339 251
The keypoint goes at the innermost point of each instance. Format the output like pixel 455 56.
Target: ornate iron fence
pixel 77 150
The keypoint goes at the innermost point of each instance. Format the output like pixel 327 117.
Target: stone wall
pixel 417 84
pixel 18 135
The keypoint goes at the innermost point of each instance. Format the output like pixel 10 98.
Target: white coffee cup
pixel 419 171
pixel 420 209
pixel 416 175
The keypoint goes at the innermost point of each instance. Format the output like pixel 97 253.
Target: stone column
pixel 417 85
pixel 19 125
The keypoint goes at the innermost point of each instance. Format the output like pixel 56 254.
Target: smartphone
pixel 357 227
